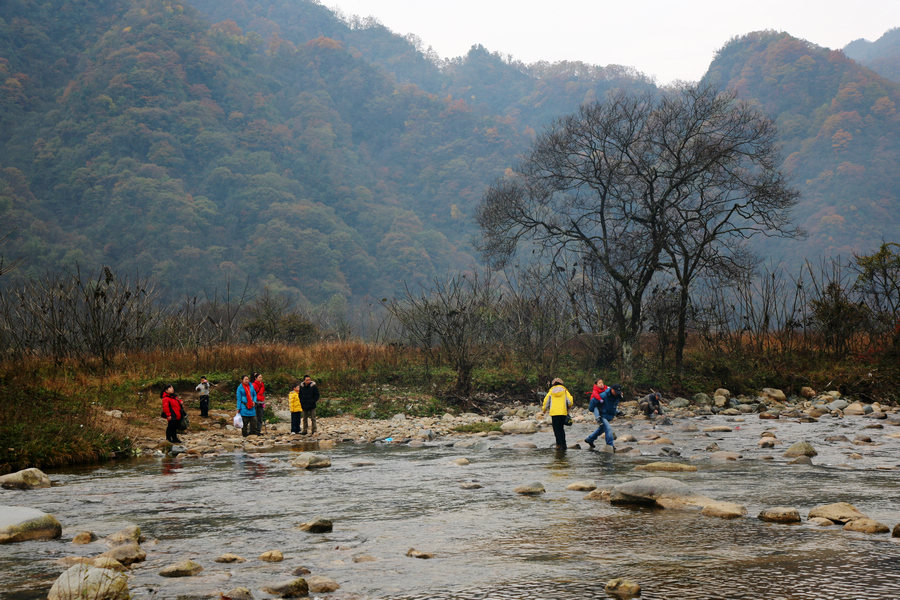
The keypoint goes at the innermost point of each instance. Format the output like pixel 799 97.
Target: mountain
pixel 840 130
pixel 209 142
pixel 882 56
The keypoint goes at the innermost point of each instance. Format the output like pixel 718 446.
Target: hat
pixel 617 388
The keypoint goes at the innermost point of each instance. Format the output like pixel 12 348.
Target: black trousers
pixel 559 429
pixel 172 430
pixel 249 426
pixel 295 420
pixel 260 409
pixel 204 406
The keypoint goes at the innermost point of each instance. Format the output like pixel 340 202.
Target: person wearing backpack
pixel 246 405
pixel 605 407
pixel 173 411
pixel 309 398
pixel 558 401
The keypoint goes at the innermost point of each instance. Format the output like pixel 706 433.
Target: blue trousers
pixel 604 427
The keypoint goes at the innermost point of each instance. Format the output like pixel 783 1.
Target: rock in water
pixel 317 526
pixel 661 491
pixel 27 479
pixel 228 557
pixel 126 554
pixel 800 449
pixel 318 584
pixel 866 525
pixel 86 582
pixel 666 466
pixel 724 510
pixel 780 514
pixel 839 512
pixel 84 537
pixel 238 593
pixel 185 568
pixel 531 489
pixel 582 486
pixel 272 556
pixel 623 588
pixel 131 534
pixel 413 553
pixel 896 532
pixel 294 588
pixel 19 524
pixel 519 427
pixel 308 460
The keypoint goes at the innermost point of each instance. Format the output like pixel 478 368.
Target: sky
pixel 666 39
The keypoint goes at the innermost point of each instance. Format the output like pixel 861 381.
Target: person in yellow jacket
pixel 296 408
pixel 558 401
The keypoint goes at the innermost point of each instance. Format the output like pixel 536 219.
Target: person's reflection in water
pixel 170 465
pixel 248 467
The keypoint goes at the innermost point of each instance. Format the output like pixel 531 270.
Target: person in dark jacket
pixel 309 397
pixel 650 404
pixel 173 410
pixel 605 409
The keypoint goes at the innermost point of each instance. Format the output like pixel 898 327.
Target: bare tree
pixel 623 186
pixel 458 316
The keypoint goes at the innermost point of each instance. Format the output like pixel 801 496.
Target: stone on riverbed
pixel 666 466
pixel 185 568
pixel 84 581
pixel 19 524
pixel 27 479
pixel 319 584
pixel 293 588
pixel 661 491
pixel 308 460
pixel 317 526
pixel 724 510
pixel 128 535
pixel 126 553
pixel 530 489
pixel 582 486
pixel 228 557
pixel 821 521
pixel 866 525
pixel 272 556
pixel 896 532
pixel 800 449
pixel 838 512
pixel 84 537
pixel 780 514
pixel 413 553
pixel 238 593
pixel 519 427
pixel 622 588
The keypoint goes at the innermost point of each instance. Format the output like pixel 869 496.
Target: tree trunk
pixel 681 337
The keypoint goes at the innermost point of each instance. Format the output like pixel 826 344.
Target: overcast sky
pixel 667 39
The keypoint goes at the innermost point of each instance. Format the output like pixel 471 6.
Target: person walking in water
pixel 246 405
pixel 605 408
pixel 558 401
pixel 309 397
pixel 173 411
pixel 260 388
pixel 203 391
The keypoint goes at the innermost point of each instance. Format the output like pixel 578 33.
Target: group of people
pixel 604 404
pixel 251 406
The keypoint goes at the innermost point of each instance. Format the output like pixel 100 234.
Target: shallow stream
pixel 489 543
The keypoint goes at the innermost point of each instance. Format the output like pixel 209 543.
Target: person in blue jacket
pixel 246 405
pixel 605 409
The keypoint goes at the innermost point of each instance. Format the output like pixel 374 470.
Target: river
pixel 488 542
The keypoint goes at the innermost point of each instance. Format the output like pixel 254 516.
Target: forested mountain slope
pixel 882 55
pixel 204 141
pixel 840 129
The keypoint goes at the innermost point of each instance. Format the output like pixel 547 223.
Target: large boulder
pixel 519 426
pixel 661 491
pixel 855 409
pixel 27 479
pixel 19 524
pixel 837 404
pixel 309 460
pixel 773 394
pixel 701 399
pixel 86 582
pixel 838 512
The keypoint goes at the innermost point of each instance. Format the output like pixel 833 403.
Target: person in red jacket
pixel 260 388
pixel 173 410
